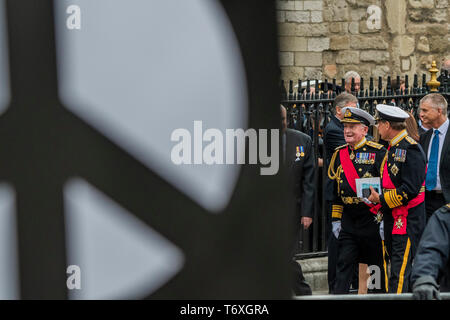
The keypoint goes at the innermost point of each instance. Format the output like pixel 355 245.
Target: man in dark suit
pixel 299 160
pixel 333 138
pixel 436 145
pixel 334 131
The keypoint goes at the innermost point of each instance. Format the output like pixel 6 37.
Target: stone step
pixel 315 272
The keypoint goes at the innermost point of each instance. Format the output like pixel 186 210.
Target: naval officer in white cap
pixel 402 199
pixel 355 223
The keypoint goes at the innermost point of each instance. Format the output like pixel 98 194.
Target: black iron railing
pixel 309 106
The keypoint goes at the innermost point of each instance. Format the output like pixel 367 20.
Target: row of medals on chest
pixel 366 159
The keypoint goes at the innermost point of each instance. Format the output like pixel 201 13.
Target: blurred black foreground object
pixel 239 254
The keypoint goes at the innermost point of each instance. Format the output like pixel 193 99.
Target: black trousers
pixel 354 249
pixel 333 253
pixel 401 255
pixel 332 261
pixel 433 201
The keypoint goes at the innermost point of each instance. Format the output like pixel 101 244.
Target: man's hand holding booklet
pixel 363 187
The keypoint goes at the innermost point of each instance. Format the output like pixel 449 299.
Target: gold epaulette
pixel 331 173
pixel 410 140
pixel 374 145
pixel 340 147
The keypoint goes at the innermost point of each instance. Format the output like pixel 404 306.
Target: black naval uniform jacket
pixel 354 214
pixel 300 166
pixel 333 137
pixel 406 165
pixel 433 253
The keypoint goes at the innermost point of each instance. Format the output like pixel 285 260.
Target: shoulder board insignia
pixel 447 206
pixel 340 147
pixel 410 140
pixel 374 144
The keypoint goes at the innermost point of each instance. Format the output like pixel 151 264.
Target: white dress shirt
pixel 442 132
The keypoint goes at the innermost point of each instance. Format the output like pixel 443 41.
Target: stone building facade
pixel 325 38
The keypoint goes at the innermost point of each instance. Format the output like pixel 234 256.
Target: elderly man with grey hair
pixel 334 131
pixel 436 144
pixel 334 137
pixel 348 81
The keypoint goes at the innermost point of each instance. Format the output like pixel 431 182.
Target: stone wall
pixel 325 38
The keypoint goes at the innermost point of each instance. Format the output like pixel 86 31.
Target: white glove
pixel 382 230
pixel 336 226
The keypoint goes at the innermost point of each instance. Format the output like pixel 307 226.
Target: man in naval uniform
pixel 402 198
pixel 355 221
